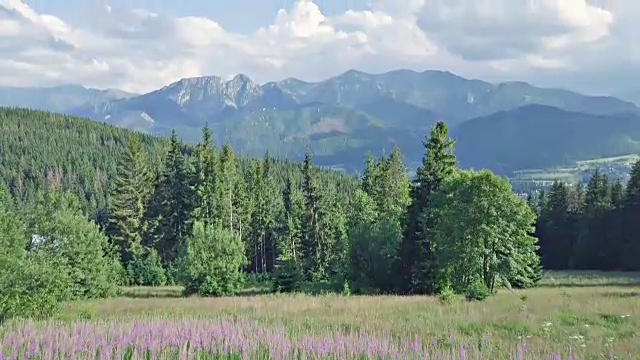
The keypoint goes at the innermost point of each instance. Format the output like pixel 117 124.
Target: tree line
pixel 151 211
pixel 592 227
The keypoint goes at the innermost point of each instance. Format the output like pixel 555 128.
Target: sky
pixel 590 46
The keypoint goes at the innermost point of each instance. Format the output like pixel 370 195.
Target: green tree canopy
pixel 482 232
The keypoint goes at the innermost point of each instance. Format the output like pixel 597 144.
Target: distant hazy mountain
pixel 343 117
pixel 57 98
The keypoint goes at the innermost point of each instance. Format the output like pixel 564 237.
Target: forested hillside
pixel 42 149
pixel 536 136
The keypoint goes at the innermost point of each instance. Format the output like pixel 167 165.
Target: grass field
pixel 585 315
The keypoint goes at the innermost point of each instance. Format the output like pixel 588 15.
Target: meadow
pixel 575 315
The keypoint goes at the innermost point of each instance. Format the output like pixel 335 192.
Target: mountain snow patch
pixel 147 118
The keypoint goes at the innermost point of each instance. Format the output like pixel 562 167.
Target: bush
pixel 447 295
pixel 212 262
pixel 477 290
pixel 146 269
pixel 31 283
pixel 33 287
pixel 288 275
pixel 57 227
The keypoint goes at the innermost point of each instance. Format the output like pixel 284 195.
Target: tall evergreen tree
pixel 590 248
pixel 204 179
pixel 632 194
pixel 268 204
pixel 556 246
pixel 174 199
pixel 131 188
pixel 630 240
pixel 293 204
pixel 617 194
pixel 416 264
pixel 288 274
pixel 226 200
pixel 315 231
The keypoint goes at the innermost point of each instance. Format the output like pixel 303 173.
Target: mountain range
pixel 503 126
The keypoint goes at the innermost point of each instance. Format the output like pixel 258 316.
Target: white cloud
pixel 137 50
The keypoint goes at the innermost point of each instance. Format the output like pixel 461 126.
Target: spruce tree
pixel 617 194
pixel 174 200
pixel 204 179
pixel 416 263
pixel 226 192
pixel 630 240
pixel 556 246
pixel 288 274
pixel 632 194
pixel 291 234
pixel 268 204
pixel 590 248
pixel 131 188
pixel 315 246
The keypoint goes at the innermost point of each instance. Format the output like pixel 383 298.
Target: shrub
pixel 477 290
pixel 212 262
pixel 34 287
pixel 447 295
pixel 288 275
pixel 146 269
pixel 57 227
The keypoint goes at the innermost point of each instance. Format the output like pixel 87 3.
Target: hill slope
pixel 39 149
pixel 537 136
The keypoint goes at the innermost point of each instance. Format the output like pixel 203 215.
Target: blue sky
pixel 586 45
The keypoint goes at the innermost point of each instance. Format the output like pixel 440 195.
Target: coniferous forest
pixel 87 207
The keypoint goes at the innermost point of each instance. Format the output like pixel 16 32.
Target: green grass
pixel 591 313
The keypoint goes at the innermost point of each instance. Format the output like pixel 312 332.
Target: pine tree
pixel 288 274
pixel 204 179
pixel 174 199
pixel 131 188
pixel 416 259
pixel 369 174
pixel 380 246
pixel 293 203
pixel 556 246
pixel 362 233
pixel 315 246
pixel 590 248
pixel 630 240
pixel 617 194
pixel 268 204
pixel 394 186
pixel 632 194
pixel 226 190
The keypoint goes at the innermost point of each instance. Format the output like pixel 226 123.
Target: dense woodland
pixel 592 227
pixel 142 210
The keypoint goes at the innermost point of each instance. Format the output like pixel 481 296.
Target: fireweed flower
pixel 215 339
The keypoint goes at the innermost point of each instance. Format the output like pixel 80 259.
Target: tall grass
pixel 587 315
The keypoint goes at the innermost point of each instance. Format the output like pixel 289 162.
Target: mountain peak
pixel 240 77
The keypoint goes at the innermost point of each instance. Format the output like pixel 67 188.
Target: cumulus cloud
pixel 137 50
pixel 505 29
